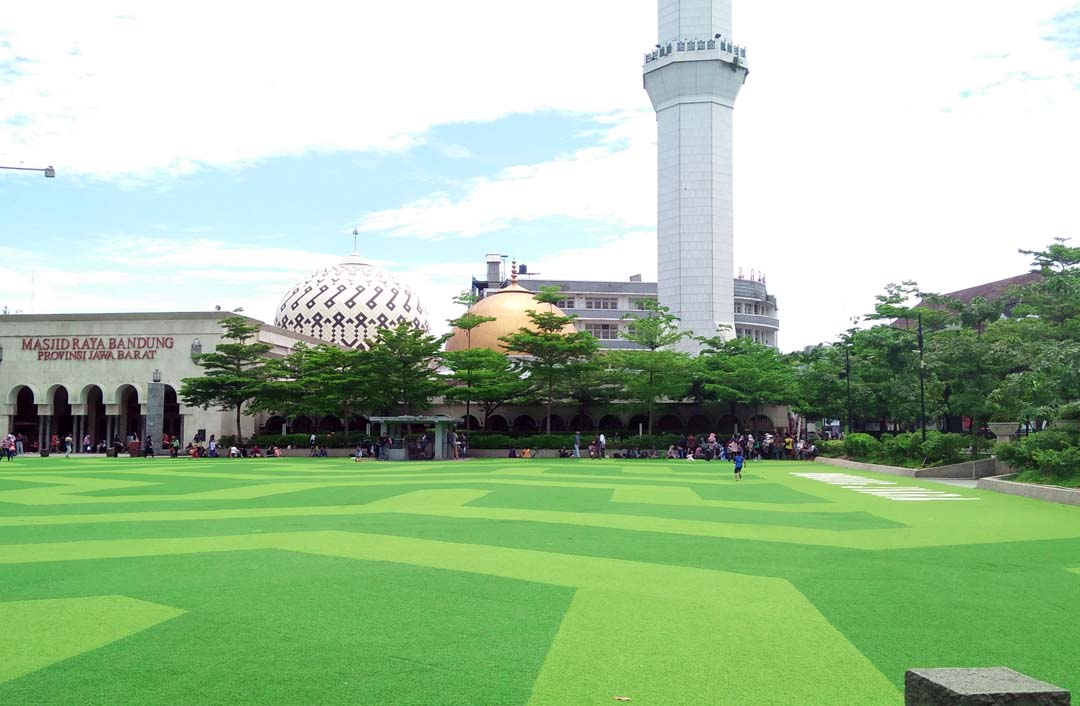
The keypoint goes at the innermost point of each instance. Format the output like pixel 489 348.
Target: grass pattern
pixel 540 582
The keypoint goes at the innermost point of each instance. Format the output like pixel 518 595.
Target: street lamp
pixel 49 171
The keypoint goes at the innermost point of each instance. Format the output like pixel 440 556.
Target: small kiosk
pixel 397 428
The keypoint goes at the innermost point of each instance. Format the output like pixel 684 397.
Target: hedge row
pixel 483 440
pixel 901 449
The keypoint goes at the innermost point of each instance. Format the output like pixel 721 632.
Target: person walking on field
pixel 577 444
pixel 739 460
pixel 603 445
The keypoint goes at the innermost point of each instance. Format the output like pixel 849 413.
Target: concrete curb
pixel 968 470
pixel 1048 493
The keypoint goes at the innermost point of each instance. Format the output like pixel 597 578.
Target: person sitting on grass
pixel 563 453
pixel 513 453
pixel 671 452
pixel 526 452
pixel 256 452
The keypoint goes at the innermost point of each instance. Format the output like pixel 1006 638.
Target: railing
pixel 721 45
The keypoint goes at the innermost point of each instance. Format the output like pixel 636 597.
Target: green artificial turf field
pixel 127 582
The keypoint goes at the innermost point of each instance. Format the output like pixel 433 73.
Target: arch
pixel 302 425
pixel 124 389
pixel 760 422
pixel 14 392
pixel 25 420
pixel 582 422
pixel 130 417
pixel 172 423
pixel 96 424
pixel 62 421
pixel 557 423
pixel 728 424
pixel 525 424
pixel 330 423
pixel 274 424
pixel 638 421
pixel 699 424
pixel 469 422
pixel 50 394
pixel 609 422
pixel 85 392
pixel 668 424
pixel 497 423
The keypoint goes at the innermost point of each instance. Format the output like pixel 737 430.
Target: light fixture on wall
pixel 196 349
pixel 157 375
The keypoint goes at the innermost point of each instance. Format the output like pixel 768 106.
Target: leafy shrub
pixel 831 448
pixel 1024 454
pixel 487 440
pixel 1070 410
pixel 862 447
pixel 300 441
pixel 660 442
pixel 548 441
pixel 902 449
pixel 943 449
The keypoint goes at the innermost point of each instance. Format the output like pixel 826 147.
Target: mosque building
pixel 113 376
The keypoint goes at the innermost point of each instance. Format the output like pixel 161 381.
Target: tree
pixel 404 369
pixel 342 381
pixel 652 374
pixel 467 322
pixel 286 390
pixel 594 383
pixel 233 374
pixel 656 328
pixel 485 377
pixel 551 353
pixel 820 382
pixel 742 371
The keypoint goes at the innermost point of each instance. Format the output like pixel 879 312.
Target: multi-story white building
pixel 601 307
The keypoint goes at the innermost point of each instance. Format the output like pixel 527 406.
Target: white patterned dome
pixel 348 303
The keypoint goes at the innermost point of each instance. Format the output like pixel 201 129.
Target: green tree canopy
pixel 740 371
pixel 233 374
pixel 485 377
pixel 404 369
pixel 550 353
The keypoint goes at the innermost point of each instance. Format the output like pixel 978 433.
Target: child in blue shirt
pixel 738 465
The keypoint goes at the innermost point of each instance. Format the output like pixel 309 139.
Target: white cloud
pixel 612 182
pixel 874 142
pixel 174 86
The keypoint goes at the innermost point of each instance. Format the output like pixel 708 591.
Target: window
pixel 639 304
pixel 738 308
pixel 605 332
pixel 567 303
pixel 601 302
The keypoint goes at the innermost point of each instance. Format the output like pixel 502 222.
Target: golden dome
pixel 509 306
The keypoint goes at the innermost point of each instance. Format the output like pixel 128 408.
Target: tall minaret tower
pixel 692 78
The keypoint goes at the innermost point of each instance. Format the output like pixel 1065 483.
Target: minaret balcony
pixel 696 49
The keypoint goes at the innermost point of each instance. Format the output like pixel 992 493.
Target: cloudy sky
pixel 214 153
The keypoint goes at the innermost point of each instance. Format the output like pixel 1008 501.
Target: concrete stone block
pixel 992 686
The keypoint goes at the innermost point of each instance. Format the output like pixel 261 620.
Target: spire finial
pixel 355 235
pixel 513 272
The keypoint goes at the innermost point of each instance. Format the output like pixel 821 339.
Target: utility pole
pixel 847 377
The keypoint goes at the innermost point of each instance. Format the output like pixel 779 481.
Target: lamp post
pixel 922 383
pixel 49 171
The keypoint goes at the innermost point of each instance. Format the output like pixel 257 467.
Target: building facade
pixel 109 376
pixel 601 308
pixel 693 77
